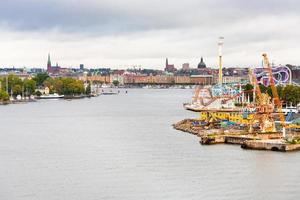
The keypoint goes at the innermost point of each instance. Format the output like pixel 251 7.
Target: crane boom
pixel 255 84
pixel 276 99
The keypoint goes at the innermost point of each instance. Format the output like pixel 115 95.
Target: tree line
pixel 289 94
pixel 14 85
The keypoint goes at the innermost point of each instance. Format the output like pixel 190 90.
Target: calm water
pixel 123 147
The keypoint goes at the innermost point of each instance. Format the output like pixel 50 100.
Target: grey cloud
pixel 147 31
pixel 106 17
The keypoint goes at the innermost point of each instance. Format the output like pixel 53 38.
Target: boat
pixel 105 86
pixel 109 93
pixel 289 109
pixel 94 94
pixel 51 96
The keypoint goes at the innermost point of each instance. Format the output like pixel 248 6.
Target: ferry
pixel 51 96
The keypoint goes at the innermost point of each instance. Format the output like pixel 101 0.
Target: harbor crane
pixel 276 98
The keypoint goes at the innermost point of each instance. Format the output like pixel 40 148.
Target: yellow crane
pixel 276 98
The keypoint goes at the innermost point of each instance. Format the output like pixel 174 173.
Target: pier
pixel 256 141
pixel 273 145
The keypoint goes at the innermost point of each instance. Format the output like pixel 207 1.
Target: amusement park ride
pixel 217 104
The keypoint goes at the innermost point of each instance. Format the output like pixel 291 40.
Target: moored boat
pixel 51 96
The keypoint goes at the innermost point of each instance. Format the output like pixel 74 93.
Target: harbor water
pixel 124 147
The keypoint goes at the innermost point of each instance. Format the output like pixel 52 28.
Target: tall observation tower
pixel 220 45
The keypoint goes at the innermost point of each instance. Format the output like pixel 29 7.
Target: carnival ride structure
pixel 282 75
pixel 217 104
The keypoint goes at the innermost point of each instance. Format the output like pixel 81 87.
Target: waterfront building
pixel 163 79
pixel 202 79
pixel 181 80
pixel 96 78
pixel 117 77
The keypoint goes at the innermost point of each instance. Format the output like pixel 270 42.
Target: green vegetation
pixel 291 94
pixel 13 84
pixel 288 94
pixel 248 88
pixel 64 86
pixel 40 78
pixel 116 82
pixel 294 141
pixel 30 86
pixel 4 96
pixel 88 89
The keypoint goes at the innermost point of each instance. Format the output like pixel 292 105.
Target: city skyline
pixel 128 33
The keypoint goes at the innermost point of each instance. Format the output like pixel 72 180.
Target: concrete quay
pixel 255 141
pixel 272 145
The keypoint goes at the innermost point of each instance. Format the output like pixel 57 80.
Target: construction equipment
pixel 276 99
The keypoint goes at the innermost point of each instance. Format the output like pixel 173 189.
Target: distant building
pixel 169 68
pixel 235 79
pixel 295 70
pixel 52 69
pixel 182 79
pixel 202 79
pixel 57 70
pixel 185 66
pixel 117 77
pixel 81 66
pixel 201 64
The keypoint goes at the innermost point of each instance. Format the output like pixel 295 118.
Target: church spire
pixel 49 63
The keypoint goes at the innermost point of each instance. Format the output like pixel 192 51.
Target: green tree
pixel 115 82
pixel 17 90
pixel 40 78
pixel 29 86
pixel 14 80
pixel 49 82
pixel 291 94
pixel 4 96
pixel 58 85
pixel 263 88
pixel 72 86
pixel 88 89
pixel 280 91
pixel 248 88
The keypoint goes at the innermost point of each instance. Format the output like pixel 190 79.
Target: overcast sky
pixel 123 33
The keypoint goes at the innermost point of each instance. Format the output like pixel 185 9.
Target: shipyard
pixel 234 114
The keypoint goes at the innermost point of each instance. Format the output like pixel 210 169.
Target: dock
pixel 256 141
pixel 272 145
